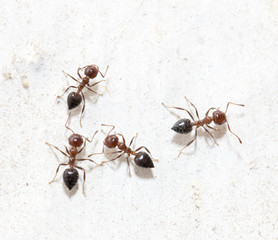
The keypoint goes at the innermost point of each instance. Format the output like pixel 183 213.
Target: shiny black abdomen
pixel 70 177
pixel 182 126
pixel 143 159
pixel 74 100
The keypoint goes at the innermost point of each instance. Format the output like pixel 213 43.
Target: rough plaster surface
pixel 158 51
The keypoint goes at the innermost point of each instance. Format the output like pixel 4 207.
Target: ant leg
pixel 128 164
pixel 111 159
pixel 179 109
pixel 84 178
pixel 97 153
pixel 84 159
pixel 147 151
pixel 99 94
pixel 209 110
pixel 66 91
pixel 215 129
pixel 242 105
pixel 67 150
pixel 189 142
pixel 83 108
pixel 193 106
pixel 104 73
pixel 71 77
pixel 233 133
pixel 96 83
pixel 211 135
pixel 114 152
pixel 132 140
pixel 113 127
pixel 50 145
pixel 67 123
pixel 62 164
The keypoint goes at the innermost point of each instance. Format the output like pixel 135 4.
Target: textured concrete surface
pixel 158 51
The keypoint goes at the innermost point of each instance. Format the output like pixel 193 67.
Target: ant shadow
pixel 92 97
pixel 143 172
pixel 183 139
pixel 72 192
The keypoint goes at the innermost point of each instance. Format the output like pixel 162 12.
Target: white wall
pixel 158 51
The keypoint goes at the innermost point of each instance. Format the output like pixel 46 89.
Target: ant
pixel 75 98
pixel 185 125
pixel 71 175
pixel 141 159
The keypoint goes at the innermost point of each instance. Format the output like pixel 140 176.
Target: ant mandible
pixel 71 175
pixel 141 159
pixel 185 125
pixel 75 98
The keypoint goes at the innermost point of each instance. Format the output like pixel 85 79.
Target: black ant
pixel 71 175
pixel 185 125
pixel 141 159
pixel 75 98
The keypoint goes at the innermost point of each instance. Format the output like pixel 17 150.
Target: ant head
pixel 182 126
pixel 74 99
pixel 75 140
pixel 219 117
pixel 91 71
pixel 111 141
pixel 143 159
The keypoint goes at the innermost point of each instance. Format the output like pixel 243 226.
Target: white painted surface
pixel 211 51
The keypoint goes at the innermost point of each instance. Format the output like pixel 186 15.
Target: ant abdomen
pixel 182 126
pixel 143 159
pixel 74 100
pixel 70 177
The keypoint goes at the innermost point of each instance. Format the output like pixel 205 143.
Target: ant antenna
pixel 105 72
pixel 241 105
pixel 113 127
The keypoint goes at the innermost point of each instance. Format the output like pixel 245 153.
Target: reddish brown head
pixel 219 117
pixel 75 140
pixel 91 71
pixel 111 141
